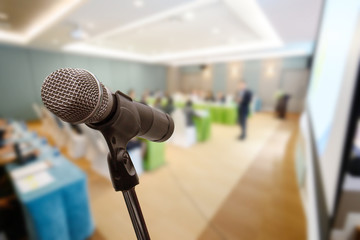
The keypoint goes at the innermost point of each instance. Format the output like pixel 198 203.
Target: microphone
pixel 76 96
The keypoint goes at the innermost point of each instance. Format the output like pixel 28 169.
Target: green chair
pixel 203 128
pixel 155 155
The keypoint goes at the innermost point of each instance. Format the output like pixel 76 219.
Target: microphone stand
pixel 118 130
pixel 136 216
pixel 124 178
pixel 122 170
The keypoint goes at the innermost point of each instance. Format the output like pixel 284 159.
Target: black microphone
pixel 76 96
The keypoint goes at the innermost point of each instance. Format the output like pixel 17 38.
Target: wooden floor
pixel 221 189
pixel 265 203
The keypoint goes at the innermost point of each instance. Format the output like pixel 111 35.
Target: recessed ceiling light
pixel 4 16
pixel 138 3
pixel 215 30
pixel 233 40
pixel 79 34
pixel 188 16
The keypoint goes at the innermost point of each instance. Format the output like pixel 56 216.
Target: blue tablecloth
pixel 59 210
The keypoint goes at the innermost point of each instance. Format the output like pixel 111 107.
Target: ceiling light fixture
pixel 157 17
pixel 87 49
pixel 233 40
pixel 79 34
pixel 188 16
pixel 138 3
pixel 235 70
pixel 4 16
pixel 215 30
pixel 270 71
pixel 206 73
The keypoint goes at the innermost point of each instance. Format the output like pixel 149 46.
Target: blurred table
pixel 229 115
pixel 223 114
pixel 60 209
pixel 219 113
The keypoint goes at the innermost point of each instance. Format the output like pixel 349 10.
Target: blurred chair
pixel 135 155
pixel 184 136
pixel 37 110
pixel 76 143
pixel 229 100
pixel 97 151
pixel 54 128
pixel 40 114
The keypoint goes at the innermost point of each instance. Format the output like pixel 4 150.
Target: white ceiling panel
pixel 173 34
pixel 162 31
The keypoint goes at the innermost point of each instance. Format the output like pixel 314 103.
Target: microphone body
pixel 76 96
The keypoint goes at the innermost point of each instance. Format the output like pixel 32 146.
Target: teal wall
pixel 219 77
pixel 252 74
pixel 252 70
pixel 22 72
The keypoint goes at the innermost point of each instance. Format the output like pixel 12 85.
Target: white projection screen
pixel 331 89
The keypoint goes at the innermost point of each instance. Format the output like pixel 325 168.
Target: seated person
pixel 11 217
pixel 131 93
pixel 5 134
pixel 221 98
pixel 157 103
pixel 210 97
pixel 169 107
pixel 189 113
pixel 136 143
pixel 144 98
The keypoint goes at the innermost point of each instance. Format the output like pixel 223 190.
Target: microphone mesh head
pixel 74 95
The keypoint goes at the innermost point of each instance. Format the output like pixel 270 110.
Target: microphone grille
pixel 74 95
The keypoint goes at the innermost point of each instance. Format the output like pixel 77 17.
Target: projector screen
pixel 331 88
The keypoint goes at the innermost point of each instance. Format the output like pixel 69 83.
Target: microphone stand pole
pixel 122 171
pixel 124 178
pixel 136 216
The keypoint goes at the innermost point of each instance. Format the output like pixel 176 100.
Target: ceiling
pixel 177 32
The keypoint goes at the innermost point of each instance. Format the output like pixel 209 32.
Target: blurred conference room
pixel 264 96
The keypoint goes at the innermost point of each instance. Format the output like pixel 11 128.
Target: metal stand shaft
pixel 135 213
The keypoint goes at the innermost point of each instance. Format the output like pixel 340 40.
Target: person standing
pixel 243 97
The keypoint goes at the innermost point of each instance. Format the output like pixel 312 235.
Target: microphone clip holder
pixel 118 129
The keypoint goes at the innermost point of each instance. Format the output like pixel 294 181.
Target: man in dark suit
pixel 243 97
